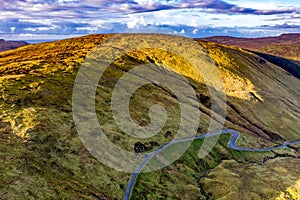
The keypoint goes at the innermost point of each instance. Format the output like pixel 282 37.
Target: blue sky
pixel 55 19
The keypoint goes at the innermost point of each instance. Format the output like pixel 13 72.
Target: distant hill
pixel 9 45
pixel 285 45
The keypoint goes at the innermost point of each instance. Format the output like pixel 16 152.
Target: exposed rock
pixel 168 134
pixel 140 147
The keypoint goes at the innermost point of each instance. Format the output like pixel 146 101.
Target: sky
pixel 57 19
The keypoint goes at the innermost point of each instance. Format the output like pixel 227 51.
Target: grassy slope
pixel 43 156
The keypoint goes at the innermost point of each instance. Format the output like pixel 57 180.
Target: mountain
pixel 285 45
pixel 8 45
pixel 42 155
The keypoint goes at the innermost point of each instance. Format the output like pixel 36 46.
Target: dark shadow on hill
pixel 288 65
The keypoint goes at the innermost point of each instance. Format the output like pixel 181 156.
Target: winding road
pixel 231 144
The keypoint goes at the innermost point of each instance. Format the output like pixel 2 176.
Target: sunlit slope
pixel 40 145
pixel 273 94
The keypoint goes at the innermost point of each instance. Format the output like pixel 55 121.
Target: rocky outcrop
pixel 140 147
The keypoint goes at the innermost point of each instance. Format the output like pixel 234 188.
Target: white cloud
pixel 89 29
pixel 31 29
pixel 266 4
pixel 12 29
pixel 136 23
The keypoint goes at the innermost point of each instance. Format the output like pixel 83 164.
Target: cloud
pixel 278 11
pixel 282 26
pixel 13 29
pixel 186 17
pixel 211 6
pixel 19 25
pixel 195 31
pixel 136 23
pixel 79 8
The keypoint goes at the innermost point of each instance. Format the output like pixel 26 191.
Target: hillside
pixel 285 45
pixel 9 45
pixel 43 156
